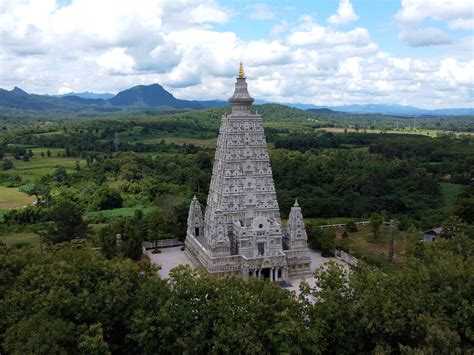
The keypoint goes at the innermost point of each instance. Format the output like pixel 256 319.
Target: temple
pixel 241 232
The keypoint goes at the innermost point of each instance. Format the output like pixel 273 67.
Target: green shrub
pixel 351 227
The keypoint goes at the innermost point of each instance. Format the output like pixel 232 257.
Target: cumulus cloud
pixel 311 33
pixel 457 14
pixel 424 37
pixel 116 61
pixel 111 45
pixel 345 14
pixel 415 11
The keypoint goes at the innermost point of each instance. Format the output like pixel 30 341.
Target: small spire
pixel 296 202
pixel 241 71
pixel 194 198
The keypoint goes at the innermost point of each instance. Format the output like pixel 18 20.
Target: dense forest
pixel 70 299
pixel 71 184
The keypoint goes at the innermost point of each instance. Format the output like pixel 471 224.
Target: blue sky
pixel 324 52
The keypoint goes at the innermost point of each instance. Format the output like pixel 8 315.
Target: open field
pixel 40 166
pixel 362 245
pixel 24 239
pixel 425 132
pixel 450 193
pixel 10 197
pixel 54 151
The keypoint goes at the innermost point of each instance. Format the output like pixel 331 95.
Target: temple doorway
pixel 266 273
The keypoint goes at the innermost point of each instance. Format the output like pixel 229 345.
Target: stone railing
pixel 162 243
pixel 361 223
pixel 347 258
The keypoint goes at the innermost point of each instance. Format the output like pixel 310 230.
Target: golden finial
pixel 241 71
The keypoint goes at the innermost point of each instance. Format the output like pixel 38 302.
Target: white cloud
pixel 415 11
pixel 345 14
pixel 456 14
pixel 462 24
pixel 279 28
pixel 258 53
pixel 208 13
pixel 107 46
pixel 311 33
pixel 424 37
pixel 260 11
pixel 64 90
pixel 116 61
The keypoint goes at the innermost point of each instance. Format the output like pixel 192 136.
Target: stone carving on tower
pixel 242 230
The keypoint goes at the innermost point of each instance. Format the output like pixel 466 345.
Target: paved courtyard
pixel 169 258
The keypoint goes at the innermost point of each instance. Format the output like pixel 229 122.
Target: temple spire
pixel 241 71
pixel 241 100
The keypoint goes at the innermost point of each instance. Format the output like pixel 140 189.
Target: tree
pixel 48 153
pixel 226 310
pixel 453 227
pixel 7 164
pixel 464 207
pixel 66 222
pixel 351 227
pixel 24 337
pixel 42 192
pixel 73 300
pixel 376 220
pixel 391 242
pixel 322 239
pixel 106 198
pixel 366 309
pixel 60 174
pixel 132 234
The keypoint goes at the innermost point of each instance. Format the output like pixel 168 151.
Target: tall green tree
pixel 66 222
pixel 376 220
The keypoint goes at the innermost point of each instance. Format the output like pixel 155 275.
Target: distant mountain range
pixel 141 96
pixel 155 96
pixel 397 110
pixel 88 95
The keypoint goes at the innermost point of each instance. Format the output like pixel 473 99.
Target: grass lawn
pixel 362 245
pixel 54 151
pixel 40 166
pixel 118 212
pixel 24 238
pixel 450 193
pixel 10 197
pixel 425 132
pixel 210 142
pixel 96 227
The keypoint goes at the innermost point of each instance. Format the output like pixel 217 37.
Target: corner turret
pixel 296 237
pixel 195 220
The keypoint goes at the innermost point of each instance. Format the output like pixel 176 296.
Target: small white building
pixel 432 235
